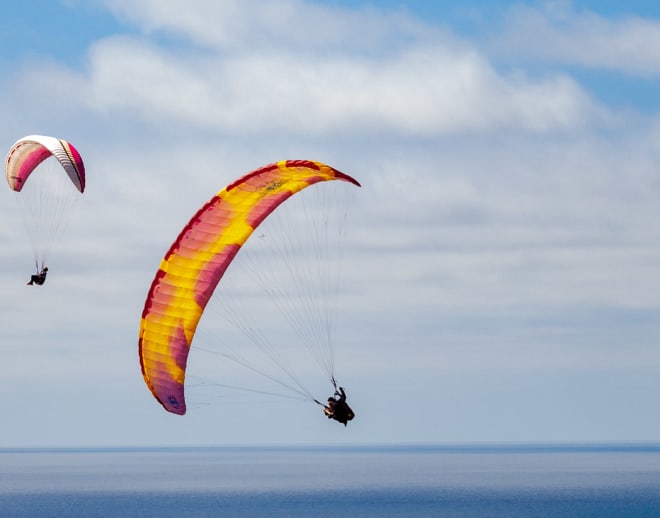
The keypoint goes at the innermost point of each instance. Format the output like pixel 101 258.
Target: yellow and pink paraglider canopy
pixel 197 260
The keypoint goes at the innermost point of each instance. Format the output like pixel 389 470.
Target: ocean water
pixel 480 481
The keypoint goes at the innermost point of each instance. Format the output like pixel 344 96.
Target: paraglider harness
pixel 337 408
pixel 40 277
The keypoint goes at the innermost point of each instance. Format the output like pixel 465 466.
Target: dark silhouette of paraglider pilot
pixel 39 278
pixel 338 409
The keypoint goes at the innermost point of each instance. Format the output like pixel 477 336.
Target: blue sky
pixel 504 251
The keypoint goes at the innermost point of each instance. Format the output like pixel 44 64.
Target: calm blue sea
pixel 483 481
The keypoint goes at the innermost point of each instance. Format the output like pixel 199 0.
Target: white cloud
pixel 427 87
pixel 560 33
pixel 302 27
